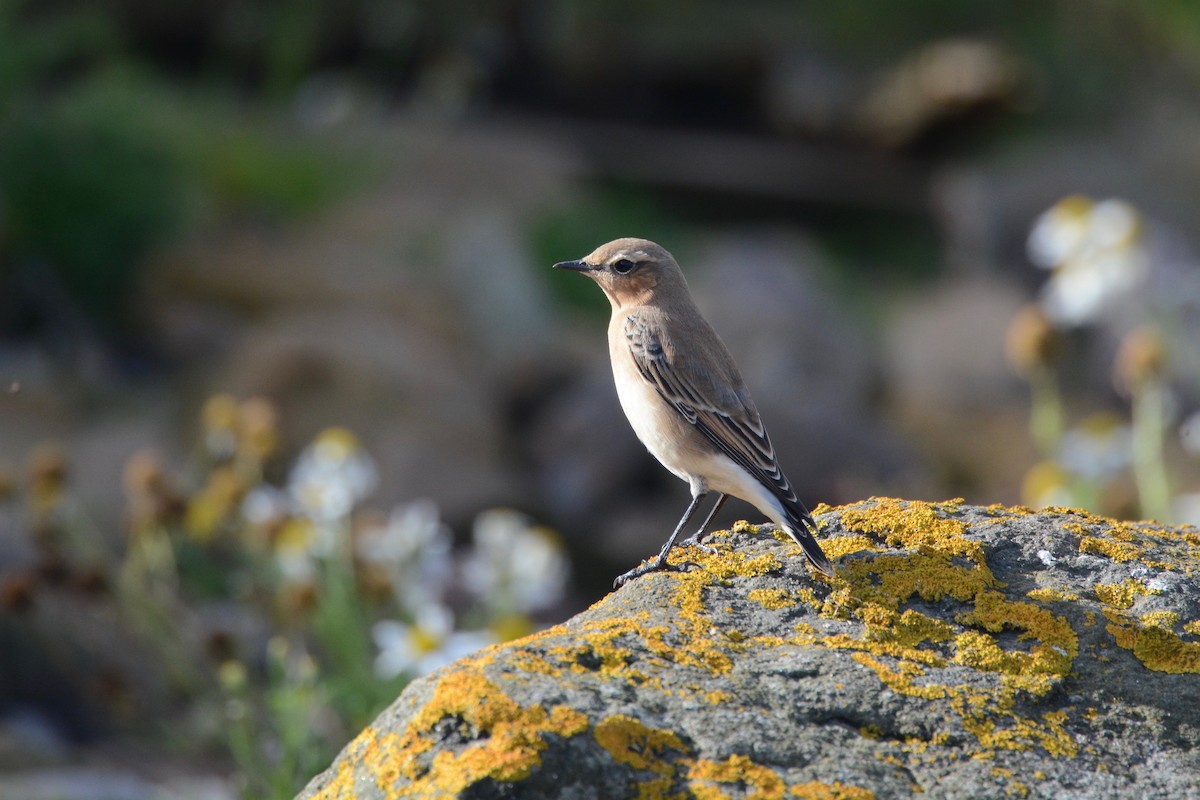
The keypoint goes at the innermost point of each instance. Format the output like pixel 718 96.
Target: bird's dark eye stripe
pixel 624 265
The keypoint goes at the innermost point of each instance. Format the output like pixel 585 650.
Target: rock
pixel 413 395
pixel 961 652
pixel 951 389
pixel 945 348
pixel 29 738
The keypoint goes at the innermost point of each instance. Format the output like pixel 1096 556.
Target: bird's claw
pixel 661 563
pixel 641 569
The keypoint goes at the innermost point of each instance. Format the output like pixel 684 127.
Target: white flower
pixel 429 643
pixel 515 566
pixel 1098 449
pixel 413 549
pixel 294 550
pixel 1096 252
pixel 332 476
pixel 1058 235
pixel 265 504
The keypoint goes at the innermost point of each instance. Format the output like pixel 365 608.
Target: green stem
pixel 1149 467
pixel 1046 415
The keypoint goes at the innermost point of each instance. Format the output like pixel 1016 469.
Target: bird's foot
pixel 694 541
pixel 638 571
pixel 660 562
pixel 653 565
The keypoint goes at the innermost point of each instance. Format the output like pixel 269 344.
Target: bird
pixel 685 398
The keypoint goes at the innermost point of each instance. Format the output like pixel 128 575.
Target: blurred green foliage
pixel 103 158
pixel 895 254
pixel 89 184
pixel 101 161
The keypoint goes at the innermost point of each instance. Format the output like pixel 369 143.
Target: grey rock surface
pixel 961 652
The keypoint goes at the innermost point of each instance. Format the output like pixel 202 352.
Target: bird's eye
pixel 624 266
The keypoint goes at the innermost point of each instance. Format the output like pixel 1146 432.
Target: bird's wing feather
pixel 718 406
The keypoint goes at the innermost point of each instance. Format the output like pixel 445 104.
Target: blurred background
pixel 293 409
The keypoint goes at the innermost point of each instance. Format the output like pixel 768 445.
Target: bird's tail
pixel 800 522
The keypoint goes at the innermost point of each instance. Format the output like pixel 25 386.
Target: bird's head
pixel 632 272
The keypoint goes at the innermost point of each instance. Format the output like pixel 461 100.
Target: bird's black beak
pixel 579 265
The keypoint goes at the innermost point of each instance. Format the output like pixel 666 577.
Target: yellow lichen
pixel 837 546
pixel 1021 732
pixel 1161 619
pixel 1192 627
pixel 506 741
pixel 1117 551
pixel 1126 541
pixel 914 526
pixel 819 790
pixel 1049 595
pixel 1051 657
pixel 761 782
pixel 703 650
pixel 529 662
pixel 946 565
pixel 772 598
pixel 900 678
pixel 1120 595
pixel 1158 648
pixel 664 754
pixel 913 628
pixel 633 743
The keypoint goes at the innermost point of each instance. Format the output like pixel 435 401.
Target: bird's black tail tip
pixel 812 550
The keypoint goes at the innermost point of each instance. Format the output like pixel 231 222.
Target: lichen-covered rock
pixel 960 652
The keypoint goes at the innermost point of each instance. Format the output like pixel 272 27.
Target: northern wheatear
pixel 684 396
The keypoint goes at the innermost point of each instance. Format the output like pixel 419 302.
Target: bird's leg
pixel 694 539
pixel 658 561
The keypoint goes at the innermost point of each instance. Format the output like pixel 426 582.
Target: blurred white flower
pixel 515 566
pixel 430 642
pixel 265 504
pixel 332 475
pixel 413 550
pixel 1096 252
pixel 1099 448
pixel 1058 235
pixel 294 550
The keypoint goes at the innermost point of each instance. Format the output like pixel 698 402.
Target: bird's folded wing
pixel 719 411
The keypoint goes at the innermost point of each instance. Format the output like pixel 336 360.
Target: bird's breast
pixel 658 425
